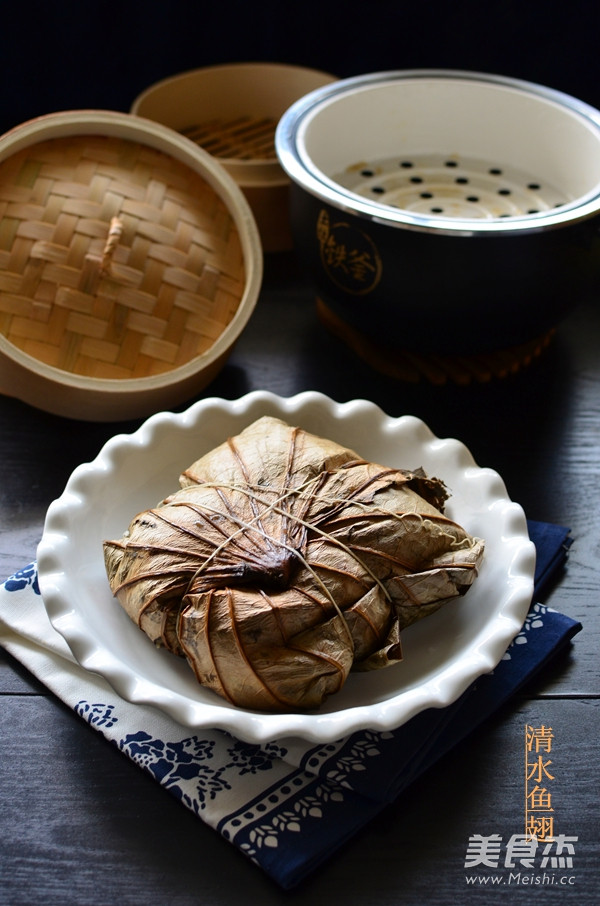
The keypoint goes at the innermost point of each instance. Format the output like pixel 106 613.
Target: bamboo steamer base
pixel 242 138
pixel 232 111
pixel 405 365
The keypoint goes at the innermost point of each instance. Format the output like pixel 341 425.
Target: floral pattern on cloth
pixel 288 804
pixel 24 578
pixel 533 620
pixel 328 783
pixel 193 769
pixel 295 818
pixel 197 771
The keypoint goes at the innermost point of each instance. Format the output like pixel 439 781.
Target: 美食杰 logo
pixel 538 855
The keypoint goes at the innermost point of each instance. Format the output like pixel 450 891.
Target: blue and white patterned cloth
pixel 287 805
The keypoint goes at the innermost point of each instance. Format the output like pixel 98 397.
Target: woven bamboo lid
pixel 130 262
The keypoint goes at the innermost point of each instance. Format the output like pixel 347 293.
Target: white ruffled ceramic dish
pixel 443 654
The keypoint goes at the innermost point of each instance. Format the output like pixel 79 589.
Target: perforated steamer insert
pixel 434 148
pixel 445 186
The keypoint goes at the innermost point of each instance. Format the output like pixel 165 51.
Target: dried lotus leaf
pixel 284 561
pixel 266 664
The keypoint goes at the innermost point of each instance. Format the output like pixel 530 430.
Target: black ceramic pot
pixel 444 212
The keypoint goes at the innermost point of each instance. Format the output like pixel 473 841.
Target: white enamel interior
pixel 454 116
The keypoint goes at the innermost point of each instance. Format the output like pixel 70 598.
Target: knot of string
pixel 278 506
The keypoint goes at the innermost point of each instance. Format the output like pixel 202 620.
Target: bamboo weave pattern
pixel 176 272
pixel 245 138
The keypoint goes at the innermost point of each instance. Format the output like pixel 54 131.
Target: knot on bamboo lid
pixel 97 266
pixel 112 240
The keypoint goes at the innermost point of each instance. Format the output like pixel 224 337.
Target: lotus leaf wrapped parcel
pixel 284 561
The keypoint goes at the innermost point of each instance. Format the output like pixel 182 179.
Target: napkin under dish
pixel 288 805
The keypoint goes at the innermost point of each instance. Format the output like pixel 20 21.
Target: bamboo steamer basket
pixel 232 111
pixel 130 263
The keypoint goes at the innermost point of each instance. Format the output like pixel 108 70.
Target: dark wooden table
pixel 79 823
